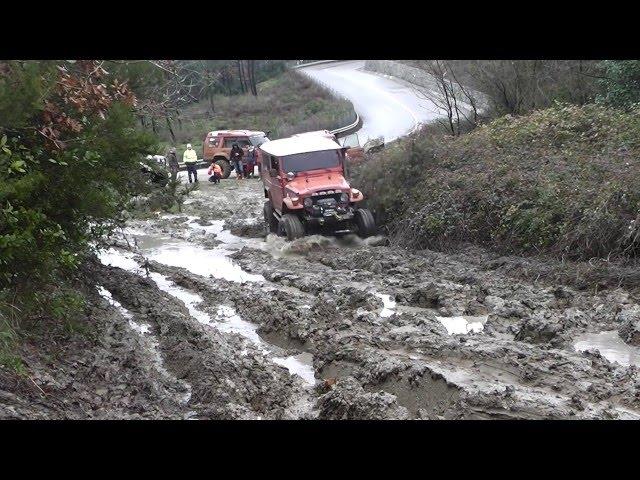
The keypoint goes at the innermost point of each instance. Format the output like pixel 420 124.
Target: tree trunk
pixel 173 136
pixel 252 77
pixel 241 77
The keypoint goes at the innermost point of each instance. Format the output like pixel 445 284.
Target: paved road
pixel 388 106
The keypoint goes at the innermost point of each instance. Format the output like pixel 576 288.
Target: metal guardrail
pixel 314 63
pixel 347 129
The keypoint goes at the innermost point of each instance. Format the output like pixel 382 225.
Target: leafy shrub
pixel 560 180
pixel 620 83
pixel 69 154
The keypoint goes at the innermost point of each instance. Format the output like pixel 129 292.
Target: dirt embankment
pixel 235 323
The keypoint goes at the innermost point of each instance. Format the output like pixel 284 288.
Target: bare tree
pixel 519 86
pixel 449 94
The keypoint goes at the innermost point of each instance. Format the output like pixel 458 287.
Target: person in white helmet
pixel 190 159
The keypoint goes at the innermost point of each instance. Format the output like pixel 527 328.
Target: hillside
pixel 287 104
pixel 561 180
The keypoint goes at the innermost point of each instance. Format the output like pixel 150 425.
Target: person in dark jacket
pixel 235 156
pixel 250 162
pixel 174 166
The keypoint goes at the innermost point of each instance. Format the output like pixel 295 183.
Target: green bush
pixel 621 83
pixel 69 156
pixel 561 180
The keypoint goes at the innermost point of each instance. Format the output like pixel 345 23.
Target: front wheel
pixel 225 166
pixel 270 220
pixel 365 223
pixel 291 227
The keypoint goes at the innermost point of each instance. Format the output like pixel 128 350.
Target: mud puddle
pixel 400 334
pixel 301 365
pixel 388 305
pixel 455 325
pixel 610 346
pixel 207 263
pixel 463 324
pixel 279 247
pixel 193 257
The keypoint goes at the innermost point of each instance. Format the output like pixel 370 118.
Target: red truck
pixel 306 189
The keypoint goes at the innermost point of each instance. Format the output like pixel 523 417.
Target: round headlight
pixel 344 198
pixel 308 202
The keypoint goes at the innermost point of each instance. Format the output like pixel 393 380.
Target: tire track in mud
pixel 230 376
pixel 371 317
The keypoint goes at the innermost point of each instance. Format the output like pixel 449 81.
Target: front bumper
pixel 329 218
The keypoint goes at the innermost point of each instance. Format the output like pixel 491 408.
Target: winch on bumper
pixel 329 210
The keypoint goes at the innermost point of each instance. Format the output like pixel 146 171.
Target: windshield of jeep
pixel 301 162
pixel 258 140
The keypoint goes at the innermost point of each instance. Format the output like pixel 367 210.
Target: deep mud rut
pixel 199 316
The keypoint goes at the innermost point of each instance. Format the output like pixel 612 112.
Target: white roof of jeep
pixel 299 144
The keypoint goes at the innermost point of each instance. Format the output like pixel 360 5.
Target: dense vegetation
pixel 69 151
pixel 560 180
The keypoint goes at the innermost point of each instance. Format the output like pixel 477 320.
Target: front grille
pixel 320 198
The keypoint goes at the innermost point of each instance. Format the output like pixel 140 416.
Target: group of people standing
pixel 243 164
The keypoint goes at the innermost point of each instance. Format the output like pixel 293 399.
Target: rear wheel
pixel 365 223
pixel 225 166
pixel 270 221
pixel 291 227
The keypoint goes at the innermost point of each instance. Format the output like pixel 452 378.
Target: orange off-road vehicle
pixel 217 145
pixel 306 189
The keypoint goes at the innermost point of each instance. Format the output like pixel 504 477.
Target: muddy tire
pixel 225 166
pixel 291 227
pixel 365 223
pixel 270 221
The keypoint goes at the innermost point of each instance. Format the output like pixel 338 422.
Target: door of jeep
pixel 244 143
pixel 226 145
pixel 273 181
pixel 352 144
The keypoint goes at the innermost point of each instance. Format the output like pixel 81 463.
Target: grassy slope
pixel 287 104
pixel 562 180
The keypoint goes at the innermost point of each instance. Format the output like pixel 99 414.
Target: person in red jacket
pixel 216 173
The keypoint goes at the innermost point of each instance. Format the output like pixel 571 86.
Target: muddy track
pixel 199 316
pixel 383 326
